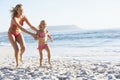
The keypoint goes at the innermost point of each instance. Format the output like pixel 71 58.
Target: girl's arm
pixel 20 27
pixel 32 27
pixel 49 36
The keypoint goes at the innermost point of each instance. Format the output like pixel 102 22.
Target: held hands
pixel 35 36
pixel 51 40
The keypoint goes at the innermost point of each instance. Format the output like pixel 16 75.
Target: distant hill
pixel 63 28
pixel 67 28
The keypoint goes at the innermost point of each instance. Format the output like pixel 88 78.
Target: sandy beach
pixel 67 68
pixel 81 39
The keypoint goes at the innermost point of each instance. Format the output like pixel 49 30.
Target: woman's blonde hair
pixel 42 22
pixel 14 10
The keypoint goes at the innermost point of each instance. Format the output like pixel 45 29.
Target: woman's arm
pixel 20 27
pixel 32 27
pixel 37 37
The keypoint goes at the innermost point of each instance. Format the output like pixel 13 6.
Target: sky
pixel 86 14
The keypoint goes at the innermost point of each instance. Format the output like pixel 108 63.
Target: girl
pixel 14 33
pixel 42 41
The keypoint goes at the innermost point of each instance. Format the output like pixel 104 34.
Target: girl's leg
pixel 21 41
pixel 15 46
pixel 41 56
pixel 49 55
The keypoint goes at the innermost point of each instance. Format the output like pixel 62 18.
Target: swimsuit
pixel 17 34
pixel 20 23
pixel 41 47
pixel 42 35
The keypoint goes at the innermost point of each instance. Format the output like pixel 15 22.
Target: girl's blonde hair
pixel 14 10
pixel 41 23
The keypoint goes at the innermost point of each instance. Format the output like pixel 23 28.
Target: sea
pixel 72 41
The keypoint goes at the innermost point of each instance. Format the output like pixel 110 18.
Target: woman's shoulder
pixel 24 17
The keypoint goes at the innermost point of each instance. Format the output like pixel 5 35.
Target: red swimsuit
pixel 17 34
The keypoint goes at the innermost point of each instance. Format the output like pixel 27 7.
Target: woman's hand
pixel 34 35
pixel 37 37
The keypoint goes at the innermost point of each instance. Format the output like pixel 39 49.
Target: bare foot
pixel 40 65
pixel 50 64
pixel 16 65
pixel 21 58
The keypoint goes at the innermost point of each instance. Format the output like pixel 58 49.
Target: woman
pixel 14 33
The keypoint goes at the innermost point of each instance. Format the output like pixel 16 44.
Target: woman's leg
pixel 49 55
pixel 21 41
pixel 41 56
pixel 15 46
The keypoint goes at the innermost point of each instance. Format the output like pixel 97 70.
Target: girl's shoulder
pixel 41 31
pixel 38 31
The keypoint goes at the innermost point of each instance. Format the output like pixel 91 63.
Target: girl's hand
pixel 35 36
pixel 51 40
